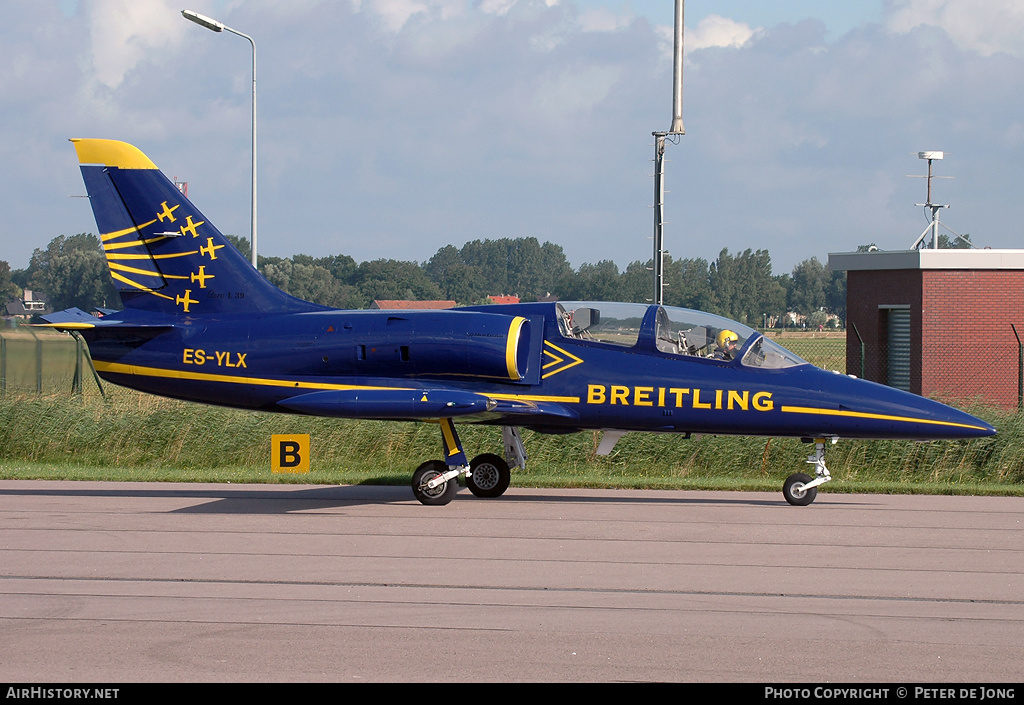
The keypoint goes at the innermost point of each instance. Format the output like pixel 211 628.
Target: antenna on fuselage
pixel 660 139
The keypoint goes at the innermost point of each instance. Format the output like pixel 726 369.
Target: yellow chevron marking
pixel 560 363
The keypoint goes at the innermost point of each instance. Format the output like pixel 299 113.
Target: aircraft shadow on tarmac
pixel 221 499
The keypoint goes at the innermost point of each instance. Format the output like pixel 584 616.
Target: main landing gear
pixel 435 482
pixel 799 489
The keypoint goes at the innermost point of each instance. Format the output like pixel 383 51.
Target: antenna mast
pixel 933 226
pixel 659 156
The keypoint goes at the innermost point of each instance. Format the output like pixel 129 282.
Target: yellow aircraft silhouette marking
pixel 167 213
pixel 201 276
pixel 210 248
pixel 190 227
pixel 186 300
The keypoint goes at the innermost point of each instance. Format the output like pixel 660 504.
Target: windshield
pixel 678 331
pixel 765 352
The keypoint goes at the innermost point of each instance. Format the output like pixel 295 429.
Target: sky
pixel 392 128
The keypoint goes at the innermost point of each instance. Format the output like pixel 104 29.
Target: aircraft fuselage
pixel 260 362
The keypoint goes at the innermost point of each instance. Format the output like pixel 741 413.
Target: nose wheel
pixel 796 492
pixel 800 489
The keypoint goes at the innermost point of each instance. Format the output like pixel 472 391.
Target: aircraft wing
pixel 413 404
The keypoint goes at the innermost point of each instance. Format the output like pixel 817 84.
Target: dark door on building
pixel 897 347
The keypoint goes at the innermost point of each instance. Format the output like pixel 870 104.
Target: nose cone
pixel 856 408
pixel 987 429
pixel 948 422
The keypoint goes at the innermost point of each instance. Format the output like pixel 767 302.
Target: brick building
pixel 936 322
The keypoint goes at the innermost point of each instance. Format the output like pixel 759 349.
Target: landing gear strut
pixel 799 489
pixel 435 481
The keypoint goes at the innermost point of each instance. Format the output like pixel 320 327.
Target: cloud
pixel 717 31
pixel 575 91
pixel 394 15
pixel 603 20
pixel 125 33
pixel 986 28
pixel 391 129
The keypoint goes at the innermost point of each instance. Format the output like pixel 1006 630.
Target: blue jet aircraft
pixel 201 324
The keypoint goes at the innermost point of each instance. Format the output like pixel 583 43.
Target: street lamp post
pixel 216 26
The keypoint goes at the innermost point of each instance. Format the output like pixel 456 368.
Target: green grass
pixel 134 436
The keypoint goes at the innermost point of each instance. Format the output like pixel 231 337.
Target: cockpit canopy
pixel 676 331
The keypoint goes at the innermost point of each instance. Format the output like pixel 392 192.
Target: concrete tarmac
pixel 144 582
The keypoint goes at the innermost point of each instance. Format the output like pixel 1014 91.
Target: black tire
pixel 440 495
pixel 489 476
pixel 794 492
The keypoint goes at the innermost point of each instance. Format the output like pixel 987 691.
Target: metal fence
pixel 958 371
pixel 42 361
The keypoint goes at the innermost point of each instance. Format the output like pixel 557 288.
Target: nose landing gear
pixel 799 489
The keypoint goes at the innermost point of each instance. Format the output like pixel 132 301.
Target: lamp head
pixel 203 20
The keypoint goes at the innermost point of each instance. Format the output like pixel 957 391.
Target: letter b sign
pixel 289 453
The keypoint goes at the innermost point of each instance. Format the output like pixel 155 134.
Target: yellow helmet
pixel 725 337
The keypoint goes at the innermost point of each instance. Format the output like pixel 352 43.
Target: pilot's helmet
pixel 726 338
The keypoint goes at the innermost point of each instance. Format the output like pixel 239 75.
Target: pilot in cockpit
pixel 726 342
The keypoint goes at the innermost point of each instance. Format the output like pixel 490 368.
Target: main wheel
pixel 795 492
pixel 489 476
pixel 442 494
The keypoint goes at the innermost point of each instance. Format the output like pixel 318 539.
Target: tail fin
pixel 163 254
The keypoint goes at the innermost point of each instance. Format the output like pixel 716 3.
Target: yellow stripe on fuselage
pixel 141 371
pixel 877 417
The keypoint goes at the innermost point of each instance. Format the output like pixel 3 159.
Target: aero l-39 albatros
pixel 201 324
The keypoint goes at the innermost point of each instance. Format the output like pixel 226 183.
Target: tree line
pixel 72 272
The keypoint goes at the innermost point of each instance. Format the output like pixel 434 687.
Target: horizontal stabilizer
pixel 77 319
pixel 389 403
pixel 69 318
